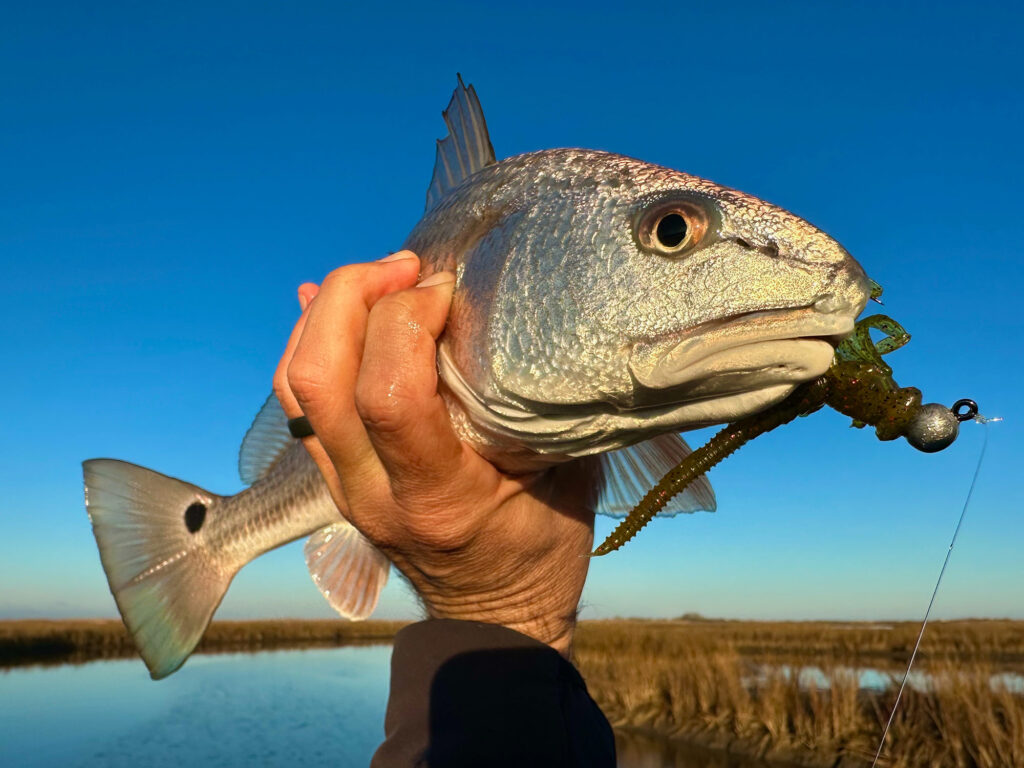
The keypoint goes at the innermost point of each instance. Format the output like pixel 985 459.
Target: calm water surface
pixel 282 708
pixel 320 707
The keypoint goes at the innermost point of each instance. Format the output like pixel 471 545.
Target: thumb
pixel 396 393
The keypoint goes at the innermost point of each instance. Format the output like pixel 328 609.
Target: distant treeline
pixel 79 640
pixel 864 642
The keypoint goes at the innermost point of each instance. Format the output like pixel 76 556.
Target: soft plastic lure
pixel 859 384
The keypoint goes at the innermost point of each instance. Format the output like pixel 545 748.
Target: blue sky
pixel 169 173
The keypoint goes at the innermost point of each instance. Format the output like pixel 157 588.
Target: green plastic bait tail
pixel 805 399
pixel 862 386
pixel 859 345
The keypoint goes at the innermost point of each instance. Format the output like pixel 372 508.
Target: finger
pixel 396 393
pixel 291 406
pixel 324 366
pixel 281 388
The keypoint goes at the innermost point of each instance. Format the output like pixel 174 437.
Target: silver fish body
pixel 602 305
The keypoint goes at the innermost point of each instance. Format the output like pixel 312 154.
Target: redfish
pixel 602 305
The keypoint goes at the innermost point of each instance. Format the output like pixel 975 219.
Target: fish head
pixel 738 301
pixel 602 300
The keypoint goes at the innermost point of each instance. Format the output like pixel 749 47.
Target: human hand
pixel 475 543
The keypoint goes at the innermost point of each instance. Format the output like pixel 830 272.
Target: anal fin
pixel 347 569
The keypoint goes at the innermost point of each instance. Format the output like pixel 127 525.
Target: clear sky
pixel 170 172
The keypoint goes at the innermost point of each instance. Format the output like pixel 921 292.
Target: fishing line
pixel 906 675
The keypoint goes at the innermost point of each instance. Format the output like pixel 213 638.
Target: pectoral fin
pixel 629 473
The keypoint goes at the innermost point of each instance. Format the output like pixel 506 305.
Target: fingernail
pixel 306 293
pixel 399 256
pixel 438 278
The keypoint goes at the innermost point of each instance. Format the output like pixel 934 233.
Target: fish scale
pixel 290 502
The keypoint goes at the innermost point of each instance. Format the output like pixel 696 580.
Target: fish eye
pixel 670 228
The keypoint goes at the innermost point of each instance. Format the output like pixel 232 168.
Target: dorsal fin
pixel 467 147
pixel 629 473
pixel 266 440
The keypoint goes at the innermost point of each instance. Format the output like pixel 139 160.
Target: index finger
pixel 323 370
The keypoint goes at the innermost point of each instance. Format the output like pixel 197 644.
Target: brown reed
pixel 726 684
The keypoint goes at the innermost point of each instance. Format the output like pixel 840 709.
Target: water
pixel 281 708
pixel 316 707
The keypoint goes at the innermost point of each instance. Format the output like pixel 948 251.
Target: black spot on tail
pixel 195 516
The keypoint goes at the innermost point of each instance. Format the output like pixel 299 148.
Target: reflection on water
pixel 868 678
pixel 320 707
pixel 1011 681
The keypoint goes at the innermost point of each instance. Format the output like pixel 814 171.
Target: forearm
pixel 466 693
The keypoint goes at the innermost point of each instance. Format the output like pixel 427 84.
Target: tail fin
pixel 149 528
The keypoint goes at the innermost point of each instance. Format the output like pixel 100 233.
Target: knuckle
pixel 306 378
pixel 397 308
pixel 280 384
pixel 381 405
pixel 397 321
pixel 280 388
pixel 345 279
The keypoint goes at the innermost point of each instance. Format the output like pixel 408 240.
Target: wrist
pixel 556 635
pixel 554 626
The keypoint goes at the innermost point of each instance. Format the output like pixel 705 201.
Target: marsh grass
pixel 738 685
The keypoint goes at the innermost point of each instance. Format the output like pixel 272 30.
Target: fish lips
pixel 748 352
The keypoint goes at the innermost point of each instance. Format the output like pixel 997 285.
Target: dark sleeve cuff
pixel 470 694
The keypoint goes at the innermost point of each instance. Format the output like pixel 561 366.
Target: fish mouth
pixel 743 353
